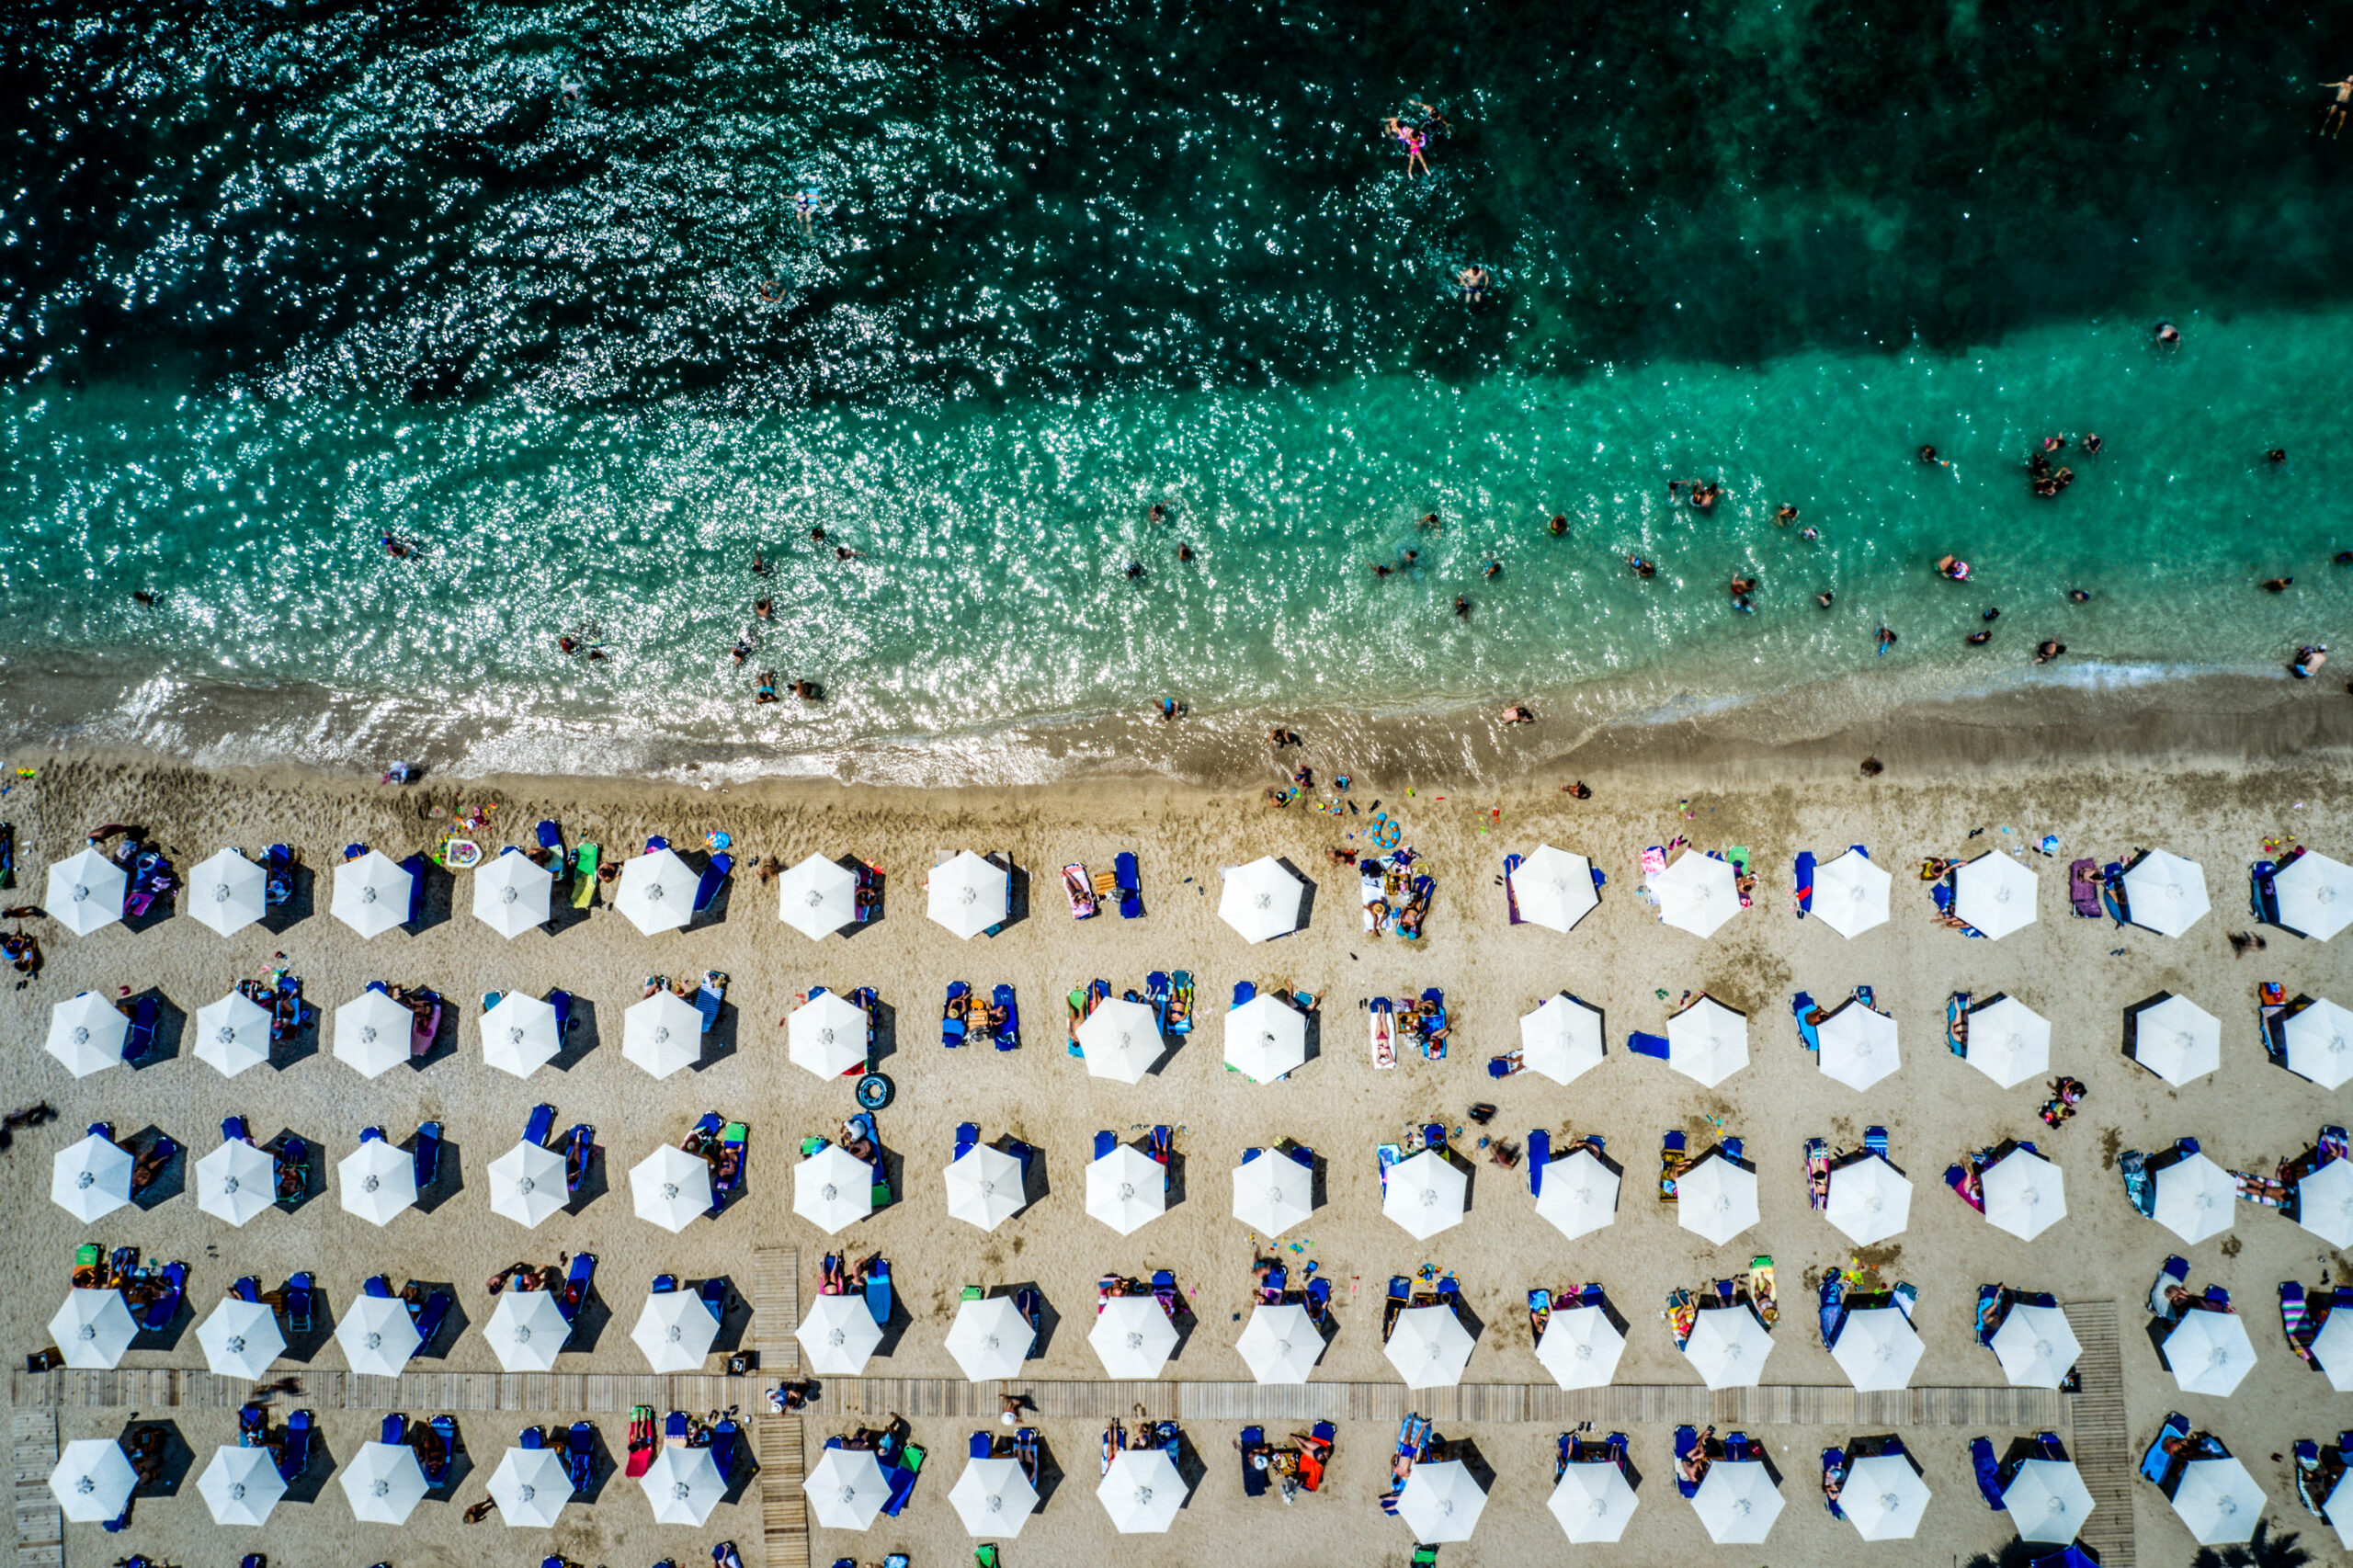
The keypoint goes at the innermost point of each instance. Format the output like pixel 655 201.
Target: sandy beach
pixel 2199 789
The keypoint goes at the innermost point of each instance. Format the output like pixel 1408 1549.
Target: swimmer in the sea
pixel 1434 124
pixel 1928 455
pixel 1642 568
pixel 1977 639
pixel 1886 639
pixel 766 690
pixel 1409 558
pixel 2047 650
pixel 2306 661
pixel 1993 614
pixel 804 210
pixel 142 597
pixel 1413 140
pixel 1490 568
pixel 741 651
pixel 2079 596
pixel 764 609
pixel 2277 584
pixel 844 552
pixel 2343 558
pixel 1135 570
pixel 1952 567
pixel 1382 569
pixel 1557 527
pixel 1158 513
pixel 2332 119
pixel 398 548
pixel 1462 609
pixel 1183 552
pixel 1822 598
pixel 1430 521
pixel 1783 516
pixel 818 534
pixel 760 567
pixel 768 292
pixel 2168 334
pixel 1809 533
pixel 2275 457
pixel 2054 443
pixel 1742 587
pixel 1474 281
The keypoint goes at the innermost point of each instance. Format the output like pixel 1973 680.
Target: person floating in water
pixel 1783 516
pixel 2092 443
pixel 2332 119
pixel 1823 598
pixel 1978 639
pixel 804 210
pixel 1135 570
pixel 760 567
pixel 1886 640
pixel 2277 584
pixel 1462 609
pixel 399 548
pixel 1183 552
pixel 2079 596
pixel 2168 334
pixel 1413 140
pixel 2277 457
pixel 1952 567
pixel 1641 567
pixel 1431 520
pixel 1490 569
pixel 1382 569
pixel 2306 661
pixel 1435 126
pixel 1158 514
pixel 1928 455
pixel 1557 527
pixel 1473 279
pixel 2047 650
pixel 766 690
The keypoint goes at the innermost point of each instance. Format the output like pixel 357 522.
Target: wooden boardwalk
pixel 776 1313
pixel 2099 1442
pixel 41 1529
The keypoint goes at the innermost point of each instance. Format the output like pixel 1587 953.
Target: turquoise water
pixel 526 286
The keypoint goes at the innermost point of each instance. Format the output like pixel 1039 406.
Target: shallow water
pixel 493 279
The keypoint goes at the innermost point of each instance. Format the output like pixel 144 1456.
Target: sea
pixel 601 312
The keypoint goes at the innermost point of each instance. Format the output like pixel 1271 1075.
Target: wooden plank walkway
pixel 41 1529
pixel 784 1507
pixel 2101 1443
pixel 776 1310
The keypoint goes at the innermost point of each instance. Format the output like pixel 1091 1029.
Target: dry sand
pixel 2078 973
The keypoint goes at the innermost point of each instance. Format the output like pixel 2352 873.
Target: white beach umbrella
pixel 512 892
pixel 531 1487
pixel 2338 1508
pixel 1728 1347
pixel 1858 1046
pixel 969 894
pixel 2332 1350
pixel 657 891
pixel 527 1331
pixel 376 1181
pixel 1425 1195
pixel 1707 1042
pixel 662 1033
pixel 670 1188
pixel 1280 1345
pixel 378 1335
pixel 1272 1192
pixel 2320 1043
pixel 2025 1194
pixel 2177 1040
pixel 989 1339
pixel 817 897
pixel 90 1178
pixel 2218 1501
pixel 2325 1203
pixel 674 1330
pixel 383 1483
pixel 1579 1195
pixel 826 1035
pixel 225 892
pixel 2008 1041
pixel 92 1481
pixel 371 1033
pixel 1994 894
pixel 1429 1348
pixel 685 1485
pixel 519 1034
pixel 1132 1337
pixel 85 892
pixel 837 1335
pixel 1593 1503
pixel 985 1188
pixel 1716 1198
pixel 2194 1199
pixel 1120 1041
pixel 832 1189
pixel 1877 1349
pixel 92 1330
pixel 1142 1492
pixel 1441 1501
pixel 1581 1348
pixel 2036 1345
pixel 1265 1038
pixel 1869 1201
pixel 1737 1503
pixel 1883 1497
pixel 1560 1040
pixel 1126 1189
pixel 2209 1352
pixel 371 894
pixel 241 1485
pixel 2047 1501
pixel 526 1183
pixel 1260 900
pixel 240 1339
pixel 1697 894
pixel 994 1499
pixel 233 1034
pixel 235 1182
pixel 847 1489
pixel 86 1033
pixel 2314 893
pixel 1553 888
pixel 2166 893
pixel 1850 893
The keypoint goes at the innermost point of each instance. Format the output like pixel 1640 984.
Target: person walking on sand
pixel 2332 120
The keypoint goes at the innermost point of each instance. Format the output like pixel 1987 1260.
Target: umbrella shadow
pixel 453 1323
pixel 1050 1473
pixel 1306 895
pixel 734 1315
pixel 313 1172
pixel 173 1179
pixel 1465 1452
pixel 895 1167
pixel 601 1465
pixel 1171 1047
pixel 876 910
pixel 715 912
pixel 592 1183
pixel 462 1465
pixel 306 1487
pixel 158 912
pixel 895 1326
pixel 439 892
pixel 171 1028
pixel 579 1036
pixel 719 1040
pixel 173 1464
pixel 589 1323
pixel 304 1347
pixel 449 1174
pixel 1017 888
pixel 298 1043
pixel 277 918
pixel 886 1033
pixel 167 1337
pixel 1049 1320
pixel 1190 1468
pixel 2131 1036
pixel 444 1044
pixel 1037 1183
pixel 746 1471
pixel 562 914
pixel 1176 1180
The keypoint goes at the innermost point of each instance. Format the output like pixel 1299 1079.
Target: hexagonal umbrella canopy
pixel 526 1183
pixel 2177 1040
pixel 685 1485
pixel 376 1181
pixel 1869 1201
pixel 1441 1501
pixel 1994 894
pixel 1858 1046
pixel 86 892
pixel 373 1033
pixel 969 894
pixel 1850 895
pixel 2008 1041
pixel 1429 1348
pixel 2218 1501
pixel 817 897
pixel 1885 1497
pixel 832 1189
pixel 2314 895
pixel 2195 1199
pixel 1581 1348
pixel 527 1331
pixel 531 1487
pixel 90 1178
pixel 989 1339
pixel 825 1036
pixel 1261 900
pixel 1593 1503
pixel 240 1339
pixel 1707 1042
pixel 1737 1503
pixel 512 892
pixel 92 1330
pixel 2324 1202
pixel 378 1336
pixel 2209 1352
pixel 371 893
pixel 838 1335
pixel 233 1034
pixel 674 1330
pixel 92 1480
pixel 2025 1194
pixel 241 1485
pixel 1553 888
pixel 1697 894
pixel 1728 1347
pixel 1141 1491
pixel 1425 1194
pixel 662 1033
pixel 847 1489
pixel 2036 1346
pixel 2165 893
pixel 1280 1345
pixel 225 892
pixel 2047 1500
pixel 670 1188
pixel 86 1033
pixel 519 1034
pixel 994 1499
pixel 1272 1192
pixel 1120 1041
pixel 2332 1350
pixel 1877 1349
pixel 1561 1040
pixel 1716 1198
pixel 383 1482
pixel 1265 1038
pixel 1132 1337
pixel 1126 1189
pixel 985 1186
pixel 2319 1041
pixel 236 1182
pixel 657 891
pixel 1579 1195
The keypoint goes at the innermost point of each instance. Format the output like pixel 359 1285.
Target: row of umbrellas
pixel 1994 894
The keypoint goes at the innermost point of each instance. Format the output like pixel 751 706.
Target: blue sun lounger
pixel 1008 1036
pixel 1123 868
